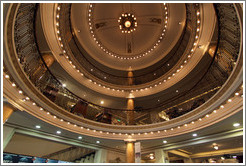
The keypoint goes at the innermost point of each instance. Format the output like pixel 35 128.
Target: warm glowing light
pixel 128 24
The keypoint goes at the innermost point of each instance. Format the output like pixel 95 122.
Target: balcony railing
pixel 40 75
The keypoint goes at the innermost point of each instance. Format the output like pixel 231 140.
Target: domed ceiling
pixel 167 58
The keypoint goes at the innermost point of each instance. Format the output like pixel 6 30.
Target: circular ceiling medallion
pixel 127 23
pixel 106 28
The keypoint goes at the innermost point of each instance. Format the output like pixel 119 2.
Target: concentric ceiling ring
pixel 95 27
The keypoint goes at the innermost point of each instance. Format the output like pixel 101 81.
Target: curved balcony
pixel 36 69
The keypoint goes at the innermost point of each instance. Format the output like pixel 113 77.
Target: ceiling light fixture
pixel 236 124
pixel 58 132
pixel 194 135
pixel 37 126
pixel 127 23
pixel 215 146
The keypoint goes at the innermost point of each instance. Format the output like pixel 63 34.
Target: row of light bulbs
pixel 195 45
pixel 28 99
pixel 133 57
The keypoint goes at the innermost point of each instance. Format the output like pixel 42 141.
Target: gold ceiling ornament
pixel 127 23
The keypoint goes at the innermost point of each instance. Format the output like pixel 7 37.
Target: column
pixel 7 111
pixel 161 156
pixel 101 156
pixel 39 72
pixel 130 78
pixel 130 153
pixel 8 133
pixel 130 114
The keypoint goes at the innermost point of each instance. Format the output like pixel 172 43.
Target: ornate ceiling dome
pixel 141 68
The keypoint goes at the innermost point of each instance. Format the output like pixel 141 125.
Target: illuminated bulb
pixel 207 115
pixel 192 122
pixel 33 103
pixel 200 119
pixel 127 24
pixel 164 141
pixel 236 124
pixel 20 92
pixel 237 94
pixel 229 100
pixel 215 111
pixel 216 147
pixel 6 76
pixel 61 120
pixel 185 125
pixel 27 98
pixel 54 116
pixel 221 106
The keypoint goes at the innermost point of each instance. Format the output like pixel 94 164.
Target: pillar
pixel 130 78
pixel 7 111
pixel 8 133
pixel 130 153
pixel 161 156
pixel 39 72
pixel 101 156
pixel 130 114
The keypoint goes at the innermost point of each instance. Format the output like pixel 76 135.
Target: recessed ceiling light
pixel 236 124
pixel 194 135
pixel 102 102
pixel 151 157
pixel 97 142
pixel 79 137
pixel 38 127
pixel 58 132
pixel 164 141
pixel 64 85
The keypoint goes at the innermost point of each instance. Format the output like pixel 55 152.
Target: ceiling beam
pixel 60 139
pixel 217 152
pixel 196 141
pixel 176 152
